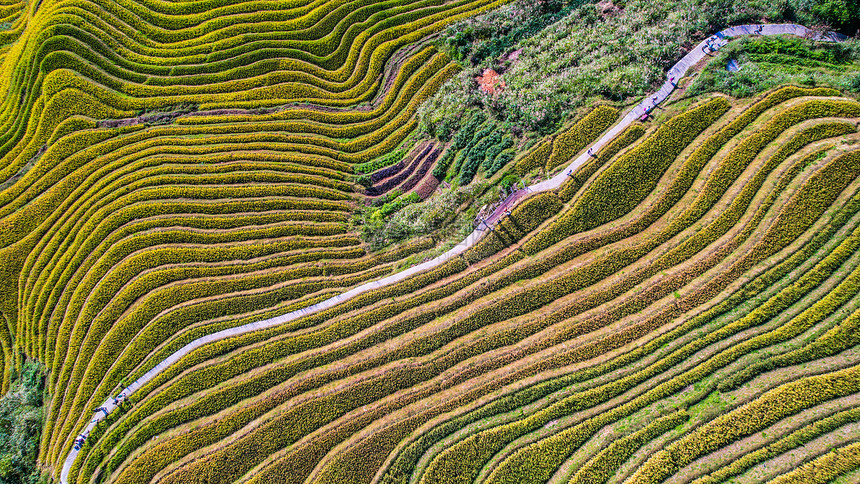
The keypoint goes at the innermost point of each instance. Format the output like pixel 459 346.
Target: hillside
pixel 239 245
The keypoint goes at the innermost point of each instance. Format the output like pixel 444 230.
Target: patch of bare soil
pixel 491 82
pixel 513 55
pixel 398 173
pixel 421 171
pixel 608 9
pixel 427 187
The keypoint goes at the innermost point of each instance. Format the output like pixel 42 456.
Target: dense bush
pixel 20 427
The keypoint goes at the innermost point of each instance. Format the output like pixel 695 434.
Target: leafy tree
pixel 20 426
pixel 838 13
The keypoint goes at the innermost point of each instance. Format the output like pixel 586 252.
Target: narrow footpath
pixel 712 44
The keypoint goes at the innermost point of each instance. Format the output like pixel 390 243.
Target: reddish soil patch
pixel 491 82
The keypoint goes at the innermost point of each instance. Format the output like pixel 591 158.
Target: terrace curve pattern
pixel 688 288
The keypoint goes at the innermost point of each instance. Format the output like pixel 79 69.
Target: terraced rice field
pixel 684 309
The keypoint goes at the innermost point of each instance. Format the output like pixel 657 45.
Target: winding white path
pixel 674 74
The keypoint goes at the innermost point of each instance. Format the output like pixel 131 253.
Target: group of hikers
pixel 117 401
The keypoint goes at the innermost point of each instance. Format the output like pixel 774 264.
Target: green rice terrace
pixel 429 241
